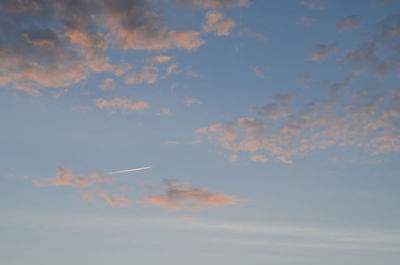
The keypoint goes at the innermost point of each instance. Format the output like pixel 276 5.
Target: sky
pixel 200 132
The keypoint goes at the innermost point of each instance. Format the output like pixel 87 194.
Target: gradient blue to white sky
pixel 272 129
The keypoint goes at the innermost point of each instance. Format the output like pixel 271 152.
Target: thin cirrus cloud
pixel 216 23
pixel 179 195
pixel 121 104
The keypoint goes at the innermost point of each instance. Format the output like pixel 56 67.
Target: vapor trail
pixel 128 170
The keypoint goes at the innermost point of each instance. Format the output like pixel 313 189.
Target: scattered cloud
pixel 259 158
pixel 307 21
pixel 213 4
pixel 66 177
pixel 179 195
pixel 323 51
pixel 253 35
pixel 282 131
pixel 191 101
pixel 108 84
pixel 66 47
pixel 148 74
pixel 348 23
pixel 121 104
pixel 216 23
pixel 159 59
pixel 312 4
pixel 109 198
pixel 165 112
pixel 259 71
pixel 172 68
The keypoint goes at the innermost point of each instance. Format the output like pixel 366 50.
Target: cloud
pixel 215 22
pixel 259 158
pixel 56 44
pixel 213 4
pixel 66 177
pixel 312 4
pixel 107 84
pixel 347 23
pixel 165 112
pixel 191 101
pixel 148 74
pixel 171 68
pixel 179 195
pixel 159 59
pixel 322 51
pixel 307 21
pixel 259 71
pixel 283 130
pixel 109 198
pixel 253 35
pixel 122 104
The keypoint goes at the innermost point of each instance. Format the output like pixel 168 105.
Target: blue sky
pixel 271 128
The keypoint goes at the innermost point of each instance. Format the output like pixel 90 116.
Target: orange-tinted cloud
pixel 215 4
pixel 191 101
pixel 322 51
pixel 121 104
pixel 109 198
pixel 159 59
pixel 348 23
pixel 66 177
pixel 216 23
pixel 148 74
pixel 179 195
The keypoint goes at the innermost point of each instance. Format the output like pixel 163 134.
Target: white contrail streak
pixel 128 170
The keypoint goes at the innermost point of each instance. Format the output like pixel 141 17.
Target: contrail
pixel 128 170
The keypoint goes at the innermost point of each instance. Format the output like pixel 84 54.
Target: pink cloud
pixel 216 23
pixel 180 195
pixel 121 104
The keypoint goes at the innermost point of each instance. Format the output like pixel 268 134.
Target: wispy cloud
pixel 312 4
pixel 253 35
pixel 321 52
pixel 216 4
pixel 121 104
pixel 348 23
pixel 159 59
